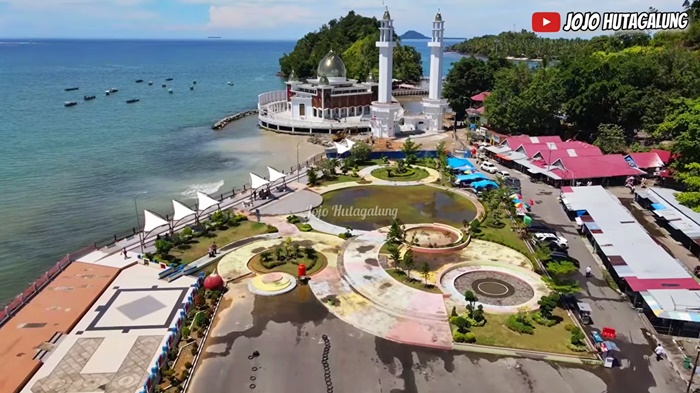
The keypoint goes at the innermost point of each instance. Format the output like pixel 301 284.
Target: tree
pixel 327 167
pixel 611 139
pixel 360 152
pixel 425 272
pixel 310 253
pixel 453 313
pixel 560 281
pixel 690 177
pixel 265 256
pixel 408 262
pixel 470 298
pixel 478 314
pixel 395 255
pixel 410 150
pixel 518 44
pixel 577 336
pixel 467 77
pixel 163 247
pixel 312 176
pixel 461 323
pixel 396 233
pixel 547 305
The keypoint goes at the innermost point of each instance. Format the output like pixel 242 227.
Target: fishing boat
pixel 113 90
pixel 150 83
pixel 163 85
pixel 107 92
pixel 168 79
pixel 194 82
pixel 71 88
pixel 70 103
pixel 88 98
pixel 131 101
pixel 139 80
pixel 170 91
pixel 230 83
pixel 191 87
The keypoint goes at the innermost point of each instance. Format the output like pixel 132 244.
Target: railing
pixel 228 199
pixel 410 92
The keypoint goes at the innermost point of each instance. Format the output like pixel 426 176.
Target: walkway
pixel 294 203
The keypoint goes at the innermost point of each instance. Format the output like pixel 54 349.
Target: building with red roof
pixel 595 167
pixel 646 160
pixel 664 155
pixel 550 156
pixel 481 97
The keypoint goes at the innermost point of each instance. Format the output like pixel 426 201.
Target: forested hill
pixel 413 35
pixel 522 44
pixel 353 37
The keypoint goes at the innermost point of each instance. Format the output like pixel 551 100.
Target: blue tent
pixel 471 177
pixel 657 206
pixel 454 162
pixel 484 183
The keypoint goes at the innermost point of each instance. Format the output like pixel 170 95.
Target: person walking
pixel 213 249
pixel 588 271
pixel 659 351
pixel 126 256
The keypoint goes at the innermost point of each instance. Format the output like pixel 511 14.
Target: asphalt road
pixel 287 331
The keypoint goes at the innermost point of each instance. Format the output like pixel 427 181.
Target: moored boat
pixel 170 91
pixel 71 88
pixel 113 90
pixel 150 83
pixel 139 80
pixel 88 98
pixel 230 83
pixel 194 82
pixel 168 79
pixel 163 85
pixel 132 100
pixel 191 87
pixel 70 103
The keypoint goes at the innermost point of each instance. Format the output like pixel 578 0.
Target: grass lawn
pixel 547 339
pixel 417 284
pixel 505 236
pixel 413 174
pixel 199 246
pixel 290 267
pixel 369 208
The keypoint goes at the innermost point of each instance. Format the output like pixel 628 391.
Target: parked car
pixel 512 182
pixel 553 237
pixel 488 167
pixel 503 174
pixel 554 246
pixel 539 228
pixel 563 257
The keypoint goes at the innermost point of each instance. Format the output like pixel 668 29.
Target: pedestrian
pixel 632 189
pixel 659 351
pixel 124 253
pixel 213 249
pixel 588 271
pixel 209 252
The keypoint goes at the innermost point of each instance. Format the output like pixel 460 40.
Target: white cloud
pixel 256 17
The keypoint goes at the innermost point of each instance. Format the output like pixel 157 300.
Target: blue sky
pixel 273 19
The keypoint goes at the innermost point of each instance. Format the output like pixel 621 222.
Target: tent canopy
pixel 257 181
pixel 658 206
pixel 152 221
pixel 485 183
pixel 454 162
pixel 181 211
pixel 349 143
pixel 275 174
pixel 204 201
pixel 342 149
pixel 471 176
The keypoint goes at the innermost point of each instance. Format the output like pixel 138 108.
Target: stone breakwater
pixel 228 119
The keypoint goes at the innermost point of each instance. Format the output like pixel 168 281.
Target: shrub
pixel 305 228
pixel 272 229
pixel 293 219
pixel 577 336
pixel 265 256
pixel 185 332
pixel 453 313
pixel 240 217
pixel 461 323
pixel 540 320
pixel 517 325
pixel 577 348
pixel 569 326
pixel 188 365
pixel 464 337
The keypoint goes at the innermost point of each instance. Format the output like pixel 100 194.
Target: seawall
pixel 228 119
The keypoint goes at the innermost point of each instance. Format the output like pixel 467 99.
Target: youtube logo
pixel 546 22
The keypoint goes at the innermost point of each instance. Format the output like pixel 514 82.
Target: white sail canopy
pixel 257 181
pixel 275 174
pixel 204 201
pixel 152 221
pixel 341 148
pixel 181 211
pixel 350 143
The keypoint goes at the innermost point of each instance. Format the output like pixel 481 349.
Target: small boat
pixel 150 83
pixel 168 79
pixel 131 101
pixel 113 90
pixel 71 88
pixel 163 85
pixel 107 92
pixel 230 83
pixel 70 103
pixel 88 98
pixel 191 87
pixel 170 91
pixel 139 80
pixel 194 82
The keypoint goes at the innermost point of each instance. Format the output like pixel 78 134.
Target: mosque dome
pixel 438 17
pixel 323 81
pixel 331 66
pixel 293 77
pixel 386 16
pixel 370 78
pixel 214 282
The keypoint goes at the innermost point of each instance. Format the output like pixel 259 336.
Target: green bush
pixel 185 332
pixel 474 323
pixel 577 336
pixel 293 219
pixel 537 317
pixel 305 228
pixel 577 348
pixel 188 365
pixel 464 337
pixel 272 229
pixel 515 324
pixel 569 326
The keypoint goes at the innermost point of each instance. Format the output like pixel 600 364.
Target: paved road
pixel 287 331
pixel 609 308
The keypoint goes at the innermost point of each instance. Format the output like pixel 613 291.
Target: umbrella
pixel 516 201
pixel 527 220
pixel 520 205
pixel 516 196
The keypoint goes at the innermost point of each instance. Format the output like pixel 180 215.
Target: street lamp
pixel 138 222
pixel 298 166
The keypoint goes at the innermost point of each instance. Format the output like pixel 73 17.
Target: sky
pixel 277 19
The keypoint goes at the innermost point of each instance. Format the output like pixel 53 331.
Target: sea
pixel 71 176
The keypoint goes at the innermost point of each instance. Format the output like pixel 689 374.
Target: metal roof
pixel 680 217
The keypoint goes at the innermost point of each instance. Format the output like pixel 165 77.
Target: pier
pixel 219 125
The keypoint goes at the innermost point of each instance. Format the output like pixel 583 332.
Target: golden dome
pixel 323 81
pixel 386 16
pixel 331 66
pixel 293 77
pixel 438 17
pixel 370 78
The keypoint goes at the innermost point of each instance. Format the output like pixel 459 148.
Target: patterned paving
pixel 66 377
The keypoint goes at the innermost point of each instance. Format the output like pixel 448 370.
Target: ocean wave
pixel 207 188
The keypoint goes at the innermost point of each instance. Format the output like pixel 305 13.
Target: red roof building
pixel 516 141
pixel 544 148
pixel 604 166
pixel 481 97
pixel 664 155
pixel 547 157
pixel 647 160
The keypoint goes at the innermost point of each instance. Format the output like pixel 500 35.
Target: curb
pixel 524 353
pixel 195 361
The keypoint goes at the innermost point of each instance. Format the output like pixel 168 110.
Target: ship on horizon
pixel 214 38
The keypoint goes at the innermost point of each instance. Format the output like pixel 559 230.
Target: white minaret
pixel 434 106
pixel 384 110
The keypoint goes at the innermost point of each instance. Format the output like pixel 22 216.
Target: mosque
pixel 331 102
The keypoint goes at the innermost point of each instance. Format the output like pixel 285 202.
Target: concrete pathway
pixel 294 203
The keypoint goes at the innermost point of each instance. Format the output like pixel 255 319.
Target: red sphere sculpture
pixel 214 282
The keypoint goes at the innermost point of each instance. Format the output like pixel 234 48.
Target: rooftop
pixel 515 141
pixel 678 216
pixel 647 160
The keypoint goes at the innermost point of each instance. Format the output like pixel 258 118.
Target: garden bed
pixel 415 283
pixel 287 260
pixel 198 247
pixel 390 173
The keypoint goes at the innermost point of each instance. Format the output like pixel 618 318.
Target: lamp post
pixel 695 367
pixel 138 221
pixel 298 166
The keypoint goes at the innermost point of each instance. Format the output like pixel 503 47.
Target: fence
pixel 391 155
pixel 11 308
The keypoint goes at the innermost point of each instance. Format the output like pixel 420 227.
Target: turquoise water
pixel 68 175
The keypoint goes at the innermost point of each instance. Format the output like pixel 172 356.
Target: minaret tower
pixel 384 110
pixel 434 106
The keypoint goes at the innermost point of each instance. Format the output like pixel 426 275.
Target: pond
pixel 372 207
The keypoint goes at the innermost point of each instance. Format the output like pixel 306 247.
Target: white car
pixel 488 167
pixel 503 174
pixel 559 240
